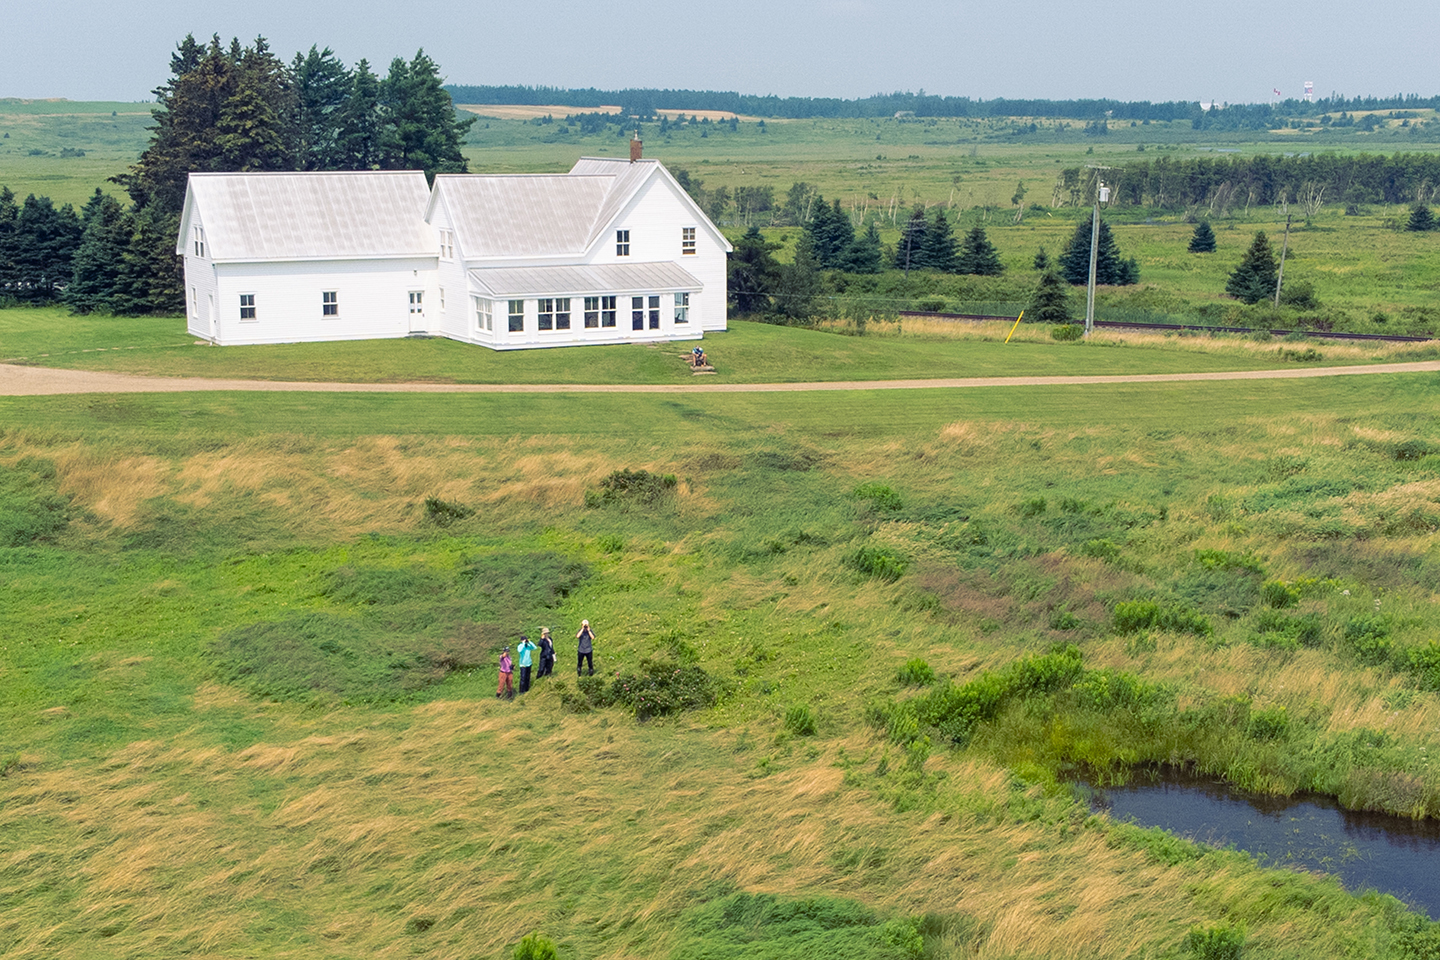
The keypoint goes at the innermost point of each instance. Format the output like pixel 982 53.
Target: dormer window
pixel 622 243
pixel 198 235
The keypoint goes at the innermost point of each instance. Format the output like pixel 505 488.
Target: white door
pixel 417 311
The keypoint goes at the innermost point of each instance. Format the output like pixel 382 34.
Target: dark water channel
pixel 1365 850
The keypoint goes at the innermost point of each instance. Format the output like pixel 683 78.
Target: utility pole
pixel 1280 275
pixel 1102 194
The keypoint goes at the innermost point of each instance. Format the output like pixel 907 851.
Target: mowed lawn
pixel 746 353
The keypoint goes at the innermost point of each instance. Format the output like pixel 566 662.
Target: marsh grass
pixel 155 808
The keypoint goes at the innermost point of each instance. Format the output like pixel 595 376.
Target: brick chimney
pixel 636 147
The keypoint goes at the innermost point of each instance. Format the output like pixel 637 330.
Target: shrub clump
pixel 1278 594
pixel 533 946
pixel 1369 639
pixel 1133 616
pixel 915 673
pixel 1223 942
pixel 1424 665
pixel 1067 332
pixel 658 688
pixel 878 562
pixel 443 513
pixel 881 497
pixel 625 487
pixel 800 720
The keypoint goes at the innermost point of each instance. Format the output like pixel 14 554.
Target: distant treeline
pixel 1227 182
pixel 644 102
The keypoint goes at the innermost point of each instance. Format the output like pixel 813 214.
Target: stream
pixel 1394 855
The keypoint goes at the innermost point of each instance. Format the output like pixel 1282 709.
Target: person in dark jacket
pixel 547 654
pixel 584 648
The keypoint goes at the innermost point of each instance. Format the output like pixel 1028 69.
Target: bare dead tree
pixel 1312 198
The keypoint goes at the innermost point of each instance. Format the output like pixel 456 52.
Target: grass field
pixel 248 672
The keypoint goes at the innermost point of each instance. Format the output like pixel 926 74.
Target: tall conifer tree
pixel 978 255
pixel 1254 279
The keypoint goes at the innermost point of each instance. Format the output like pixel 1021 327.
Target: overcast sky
pixel 1231 50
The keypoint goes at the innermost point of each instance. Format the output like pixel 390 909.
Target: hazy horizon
pixel 1121 50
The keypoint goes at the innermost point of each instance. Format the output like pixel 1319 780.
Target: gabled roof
pixel 586 280
pixel 546 215
pixel 368 214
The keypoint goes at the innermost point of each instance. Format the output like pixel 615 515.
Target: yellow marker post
pixel 1012 329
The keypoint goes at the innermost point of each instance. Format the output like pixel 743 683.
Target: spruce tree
pixel 1050 303
pixel 98 260
pixel 864 254
pixel 1110 269
pixel 1420 218
pixel 799 283
pixel 9 217
pixel 43 248
pixel 937 248
pixel 152 277
pixel 1254 279
pixel 421 130
pixel 357 137
pixel 1203 240
pixel 752 273
pixel 322 88
pixel 912 239
pixel 978 255
pixel 1042 260
pixel 830 233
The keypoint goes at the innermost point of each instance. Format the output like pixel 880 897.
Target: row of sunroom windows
pixel 599 313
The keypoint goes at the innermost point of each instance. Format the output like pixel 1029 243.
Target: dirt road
pixel 16 381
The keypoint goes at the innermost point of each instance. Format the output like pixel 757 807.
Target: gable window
pixel 447 245
pixel 199 235
pixel 637 313
pixel 687 240
pixel 483 318
pixel 562 313
pixel 546 306
pixel 517 316
pixel 330 303
pixel 622 243
pixel 682 308
pixel 247 306
pixel 654 311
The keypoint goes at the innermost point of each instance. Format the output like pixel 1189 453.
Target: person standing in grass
pixel 547 654
pixel 525 649
pixel 584 649
pixel 507 667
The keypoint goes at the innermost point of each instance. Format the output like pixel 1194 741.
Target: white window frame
pixel 198 233
pixel 442 301
pixel 329 303
pixel 687 241
pixel 637 313
pixel 545 314
pixel 682 308
pixel 607 312
pixel 622 243
pixel 592 313
pixel 417 302
pixel 516 312
pixel 654 311
pixel 484 314
pixel 447 245
pixel 247 302
pixel 195 303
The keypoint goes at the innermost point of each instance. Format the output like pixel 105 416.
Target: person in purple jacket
pixel 506 687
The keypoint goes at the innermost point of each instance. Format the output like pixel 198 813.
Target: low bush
pixel 1223 942
pixel 1067 332
pixel 881 497
pixel 1278 594
pixel 443 513
pixel 1424 665
pixel 1368 638
pixel 632 487
pixel 915 673
pixel 1133 616
pixel 1273 724
pixel 800 720
pixel 1224 560
pixel 1100 550
pixel 660 688
pixel 881 563
pixel 533 946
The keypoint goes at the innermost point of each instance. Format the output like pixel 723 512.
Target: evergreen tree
pixel 152 277
pixel 1203 240
pixel 42 249
pixel 9 217
pixel 322 88
pixel 1110 269
pixel 421 129
pixel 937 247
pixel 1254 279
pixel 830 233
pixel 357 135
pixel 978 255
pixel 1420 218
pixel 799 283
pixel 864 254
pixel 98 260
pixel 912 239
pixel 1050 302
pixel 752 273
pixel 1042 260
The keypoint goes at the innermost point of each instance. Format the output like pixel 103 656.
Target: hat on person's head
pixel 584 623
pixel 544 631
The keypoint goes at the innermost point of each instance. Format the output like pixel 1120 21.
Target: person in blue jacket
pixel 524 649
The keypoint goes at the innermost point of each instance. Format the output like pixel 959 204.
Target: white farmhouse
pixel 614 251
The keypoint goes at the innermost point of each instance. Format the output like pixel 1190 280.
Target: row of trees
pixel 644 101
pixel 224 109
pixel 1227 182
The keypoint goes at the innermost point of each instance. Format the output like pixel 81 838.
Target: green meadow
pixel 249 647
